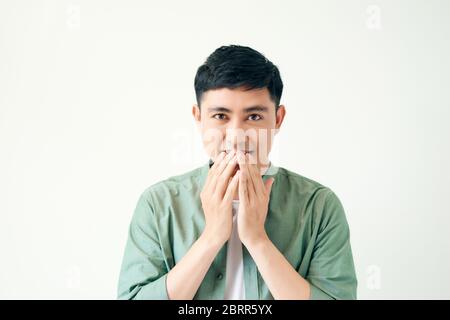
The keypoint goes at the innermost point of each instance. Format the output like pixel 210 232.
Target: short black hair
pixel 237 66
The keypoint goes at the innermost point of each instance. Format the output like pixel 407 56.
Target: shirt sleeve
pixel 143 272
pixel 332 273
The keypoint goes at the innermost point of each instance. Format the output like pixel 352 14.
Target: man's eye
pixel 255 115
pixel 219 116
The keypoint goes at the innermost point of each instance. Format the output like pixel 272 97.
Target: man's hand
pixel 217 196
pixel 254 195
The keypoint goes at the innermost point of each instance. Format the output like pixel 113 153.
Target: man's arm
pixel 185 278
pixel 144 272
pixel 144 269
pixel 331 273
pixel 281 278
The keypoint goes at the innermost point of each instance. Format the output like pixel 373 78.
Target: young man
pixel 238 227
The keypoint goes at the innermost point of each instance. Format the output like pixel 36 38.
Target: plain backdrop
pixel 95 106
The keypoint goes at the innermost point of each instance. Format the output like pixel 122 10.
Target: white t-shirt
pixel 234 285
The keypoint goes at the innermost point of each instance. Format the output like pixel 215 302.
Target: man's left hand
pixel 254 195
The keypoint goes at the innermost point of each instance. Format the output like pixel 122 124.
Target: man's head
pixel 238 107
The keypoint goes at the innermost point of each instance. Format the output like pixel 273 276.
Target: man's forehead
pixel 229 103
pixel 237 96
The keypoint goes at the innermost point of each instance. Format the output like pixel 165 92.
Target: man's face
pixel 234 119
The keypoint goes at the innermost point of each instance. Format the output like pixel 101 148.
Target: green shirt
pixel 305 221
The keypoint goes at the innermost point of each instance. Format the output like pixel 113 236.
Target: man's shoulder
pixel 175 184
pixel 311 193
pixel 305 189
pixel 298 182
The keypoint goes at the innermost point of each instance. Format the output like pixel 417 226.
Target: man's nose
pixel 236 124
pixel 236 137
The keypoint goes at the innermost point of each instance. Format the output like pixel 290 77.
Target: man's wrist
pixel 211 241
pixel 259 241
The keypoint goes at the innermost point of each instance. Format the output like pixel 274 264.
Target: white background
pixel 95 106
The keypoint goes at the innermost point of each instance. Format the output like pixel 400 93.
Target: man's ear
pixel 281 112
pixel 196 113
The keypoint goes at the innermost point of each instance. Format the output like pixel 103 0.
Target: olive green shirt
pixel 305 221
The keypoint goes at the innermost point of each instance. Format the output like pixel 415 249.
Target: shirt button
pixel 220 276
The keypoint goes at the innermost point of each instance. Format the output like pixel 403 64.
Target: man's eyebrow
pixel 256 108
pixel 219 109
pixel 246 110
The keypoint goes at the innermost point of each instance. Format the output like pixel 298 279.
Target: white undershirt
pixel 234 286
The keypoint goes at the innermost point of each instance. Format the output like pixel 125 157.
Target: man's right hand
pixel 217 196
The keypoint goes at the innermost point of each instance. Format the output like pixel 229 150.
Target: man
pixel 238 227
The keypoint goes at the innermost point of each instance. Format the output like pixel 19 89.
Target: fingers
pixel 232 186
pixel 258 183
pixel 223 178
pixel 213 168
pixel 254 176
pixel 218 159
pixel 216 173
pixel 224 163
pixel 229 169
pixel 243 192
pixel 248 173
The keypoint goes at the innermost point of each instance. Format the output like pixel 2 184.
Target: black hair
pixel 237 66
